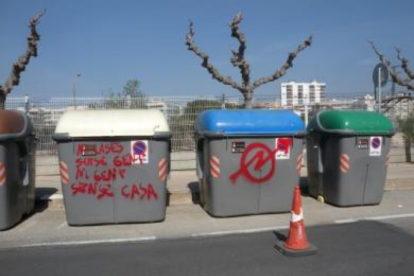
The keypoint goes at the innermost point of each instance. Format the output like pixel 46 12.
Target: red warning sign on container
pixel 283 147
pixel 139 152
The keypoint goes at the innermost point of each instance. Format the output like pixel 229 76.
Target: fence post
pixel 129 102
pixel 26 104
pixel 223 101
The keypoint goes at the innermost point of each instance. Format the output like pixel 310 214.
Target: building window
pixel 311 93
pixel 289 94
pixel 322 87
pixel 300 94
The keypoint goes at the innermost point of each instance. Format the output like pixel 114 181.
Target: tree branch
pixel 404 64
pixel 393 72
pixel 215 74
pixel 238 59
pixel 23 61
pixel 288 64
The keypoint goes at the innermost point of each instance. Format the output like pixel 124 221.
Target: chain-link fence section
pixel 182 111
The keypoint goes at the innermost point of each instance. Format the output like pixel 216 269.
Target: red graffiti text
pixel 139 191
pixel 94 149
pixel 93 189
pixel 91 162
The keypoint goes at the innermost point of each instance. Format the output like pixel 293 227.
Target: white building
pixel 299 93
pixel 365 103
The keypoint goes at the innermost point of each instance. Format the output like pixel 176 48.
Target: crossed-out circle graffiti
pixel 250 164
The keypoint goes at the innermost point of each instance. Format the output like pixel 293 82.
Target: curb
pixel 399 184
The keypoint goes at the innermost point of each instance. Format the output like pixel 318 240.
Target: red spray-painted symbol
pixel 250 164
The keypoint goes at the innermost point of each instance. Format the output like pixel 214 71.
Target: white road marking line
pixel 342 221
pixel 90 242
pixel 387 217
pixel 243 231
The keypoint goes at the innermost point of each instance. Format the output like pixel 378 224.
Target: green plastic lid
pixel 351 123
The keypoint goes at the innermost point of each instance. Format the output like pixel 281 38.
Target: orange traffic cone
pixel 296 244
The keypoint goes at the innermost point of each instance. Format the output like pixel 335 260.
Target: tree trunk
pixel 2 101
pixel 248 99
pixel 407 146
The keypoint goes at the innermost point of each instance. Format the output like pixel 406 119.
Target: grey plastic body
pixel 102 184
pixel 243 183
pixel 360 181
pixel 17 180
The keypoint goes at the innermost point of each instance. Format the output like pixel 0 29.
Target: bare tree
pixel 23 61
pixel 246 88
pixel 408 81
pixel 406 125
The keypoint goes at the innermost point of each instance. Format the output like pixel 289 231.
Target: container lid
pixel 248 123
pixel 351 123
pixel 111 123
pixel 14 125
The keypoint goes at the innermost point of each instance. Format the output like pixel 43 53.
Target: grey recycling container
pixel 248 161
pixel 114 165
pixel 17 167
pixel 347 156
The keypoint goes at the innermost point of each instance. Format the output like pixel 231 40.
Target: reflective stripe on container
pixel 299 163
pixel 64 172
pixel 387 160
pixel 2 174
pixel 215 166
pixel 344 163
pixel 163 169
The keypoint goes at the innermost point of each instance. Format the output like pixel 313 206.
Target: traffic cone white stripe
pixel 297 217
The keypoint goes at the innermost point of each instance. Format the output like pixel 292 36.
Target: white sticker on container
pixel 282 148
pixel 139 152
pixel 375 145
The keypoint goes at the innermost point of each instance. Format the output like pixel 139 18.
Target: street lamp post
pixel 306 108
pixel 74 90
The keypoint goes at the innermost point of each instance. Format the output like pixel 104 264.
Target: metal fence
pixel 181 111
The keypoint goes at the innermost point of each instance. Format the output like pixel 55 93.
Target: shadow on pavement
pixel 195 192
pixel 43 198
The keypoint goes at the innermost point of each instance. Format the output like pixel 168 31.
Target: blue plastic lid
pixel 248 123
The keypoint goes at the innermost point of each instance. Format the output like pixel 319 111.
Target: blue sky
pixel 109 42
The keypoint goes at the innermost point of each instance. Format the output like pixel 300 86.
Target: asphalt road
pixel 361 248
